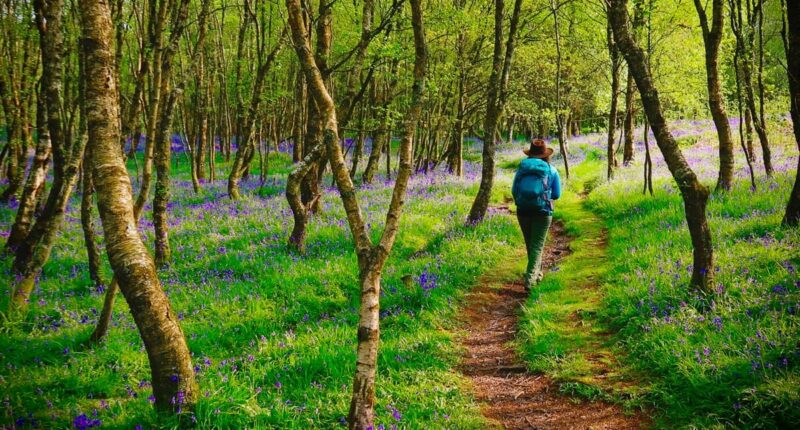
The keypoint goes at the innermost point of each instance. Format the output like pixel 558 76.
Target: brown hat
pixel 538 149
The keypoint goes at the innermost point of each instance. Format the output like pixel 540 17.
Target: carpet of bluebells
pixel 272 334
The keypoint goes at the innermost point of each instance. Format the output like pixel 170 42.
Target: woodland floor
pixel 509 394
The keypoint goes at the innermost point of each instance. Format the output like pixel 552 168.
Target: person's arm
pixel 555 189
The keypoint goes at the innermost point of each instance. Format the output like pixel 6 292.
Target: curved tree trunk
pixel 695 194
pixel 310 174
pixel 712 37
pixel 162 67
pixel 173 381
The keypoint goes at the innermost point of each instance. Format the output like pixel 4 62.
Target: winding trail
pixel 511 396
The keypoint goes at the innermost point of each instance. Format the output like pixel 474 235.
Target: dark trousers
pixel 534 230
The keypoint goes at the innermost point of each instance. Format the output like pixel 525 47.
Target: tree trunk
pixel 792 38
pixel 163 138
pixel 746 142
pixel 87 223
pixel 748 134
pixel 173 381
pixel 203 96
pixel 378 138
pixel 628 124
pixel 612 112
pixel 561 133
pixel 157 18
pixel 744 46
pixel 35 184
pixel 34 251
pixel 299 117
pixel 359 144
pixel 16 169
pixel 712 37
pixel 312 173
pixel 496 95
pixel 695 195
pixel 163 155
pixel 455 159
pixel 245 135
pixel 162 70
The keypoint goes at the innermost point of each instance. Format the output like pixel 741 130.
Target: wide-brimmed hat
pixel 538 149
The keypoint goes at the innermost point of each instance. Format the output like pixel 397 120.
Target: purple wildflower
pixel 82 422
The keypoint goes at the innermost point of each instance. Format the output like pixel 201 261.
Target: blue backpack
pixel 532 187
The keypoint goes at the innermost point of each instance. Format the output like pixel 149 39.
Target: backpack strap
pixel 546 183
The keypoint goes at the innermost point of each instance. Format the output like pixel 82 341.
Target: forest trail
pixel 510 395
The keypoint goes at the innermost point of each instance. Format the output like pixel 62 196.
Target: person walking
pixel 536 185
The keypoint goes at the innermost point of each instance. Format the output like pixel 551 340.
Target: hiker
pixel 536 185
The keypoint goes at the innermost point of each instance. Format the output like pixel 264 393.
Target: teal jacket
pixel 554 181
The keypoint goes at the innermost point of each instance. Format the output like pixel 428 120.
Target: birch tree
pixel 173 380
pixel 371 256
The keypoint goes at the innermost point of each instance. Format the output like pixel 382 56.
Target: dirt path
pixel 510 395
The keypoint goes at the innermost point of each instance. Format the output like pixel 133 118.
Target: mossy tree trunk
pixel 495 104
pixel 695 194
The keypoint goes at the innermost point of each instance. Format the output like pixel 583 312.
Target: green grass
pixel 273 333
pixel 735 363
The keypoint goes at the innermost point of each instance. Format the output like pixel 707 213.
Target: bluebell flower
pixel 82 422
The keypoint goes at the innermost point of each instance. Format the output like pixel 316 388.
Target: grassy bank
pixel 728 359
